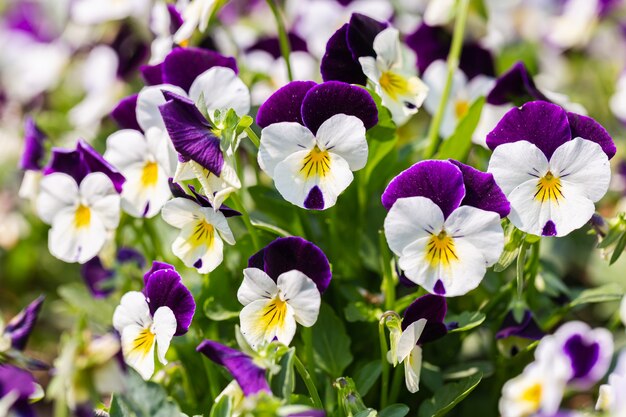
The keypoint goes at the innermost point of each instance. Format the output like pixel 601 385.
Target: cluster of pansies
pixel 286 208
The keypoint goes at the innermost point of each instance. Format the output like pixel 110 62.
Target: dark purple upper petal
pixel 152 74
pixel 527 328
pixel 249 376
pixel 14 379
pixel 271 45
pixel 362 31
pixel 20 326
pixel 125 113
pixel 431 307
pixel 176 20
pixel 126 255
pixel 191 133
pixel 285 104
pixel 156 266
pixel 587 128
pixel 538 122
pixel 481 191
pixel 34 150
pixel 182 65
pixel 131 50
pixel 177 191
pixel 287 253
pixel 95 275
pixel 515 86
pixel 82 161
pixel 335 97
pixel 338 64
pixel 164 287
pixel 440 181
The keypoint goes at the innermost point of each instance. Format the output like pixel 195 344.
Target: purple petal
pixel 587 128
pixel 315 199
pixel 29 17
pixel 176 20
pixel 285 104
pixel 20 326
pixel 439 288
pixel 156 266
pixel 126 255
pixel 177 191
pixel 583 355
pixel 549 229
pixel 271 45
pixel 362 31
pixel 308 413
pixel 95 275
pixel 287 253
pixel 125 114
pixel 527 328
pixel 191 133
pixel 165 288
pixel 335 97
pixel 338 64
pixel 182 65
pixel 481 191
pixel 440 181
pixel 515 86
pixel 34 150
pixel 14 379
pixel 152 74
pixel 131 50
pixel 538 122
pixel 249 376
pixel 433 308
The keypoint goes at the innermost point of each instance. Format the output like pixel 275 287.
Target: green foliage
pixel 459 144
pixel 331 343
pixel 446 398
pixel 142 399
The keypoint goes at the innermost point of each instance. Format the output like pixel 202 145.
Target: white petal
pixel 125 148
pixel 221 89
pixel 435 78
pixel 99 193
pixel 57 192
pixel 261 324
pixel 527 213
pixel 370 68
pixel 345 136
pixel 161 148
pixel 301 293
pixel 439 12
pixel 413 369
pixel 75 244
pixel 515 163
pixel 279 141
pixel 467 272
pixel 409 338
pixel 148 102
pixel 256 285
pixel 218 220
pixel 179 212
pixel 387 46
pixel 572 211
pixel 163 327
pixel 133 309
pixel 138 348
pixel 209 249
pixel 480 228
pixel 411 219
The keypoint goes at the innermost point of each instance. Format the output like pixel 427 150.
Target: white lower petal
pixel 301 293
pixel 413 369
pixel 515 163
pixel 163 327
pixel 411 219
pixel 138 349
pixel 70 243
pixel 279 141
pixel 263 320
pixel 480 228
pixel 199 245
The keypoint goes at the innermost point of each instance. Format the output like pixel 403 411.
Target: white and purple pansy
pixel 610 396
pixel 202 229
pixel 313 138
pixel 422 323
pixel 444 224
pixel 552 165
pixel 79 197
pixel 17 390
pixel 249 376
pixel 282 286
pixel 151 318
pixel 19 328
pixel 586 351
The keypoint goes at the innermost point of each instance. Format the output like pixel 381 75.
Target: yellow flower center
pixel 393 84
pixel 203 234
pixel 143 342
pixel 82 217
pixel 461 108
pixel 274 314
pixel 532 395
pixel 440 250
pixel 316 163
pixel 149 174
pixel 549 189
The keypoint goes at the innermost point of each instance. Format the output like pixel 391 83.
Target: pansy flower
pixel 202 229
pixel 282 286
pixel 313 137
pixel 514 336
pixel 32 158
pixel 151 318
pixel 422 323
pixel 444 224
pixel 17 389
pixel 19 328
pixel 610 398
pixel 552 165
pixel 587 352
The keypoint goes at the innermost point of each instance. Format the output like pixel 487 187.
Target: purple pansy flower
pixel 17 386
pixel 552 165
pixel 444 224
pixel 250 377
pixel 282 286
pixel 96 276
pixel 313 138
pixel 164 309
pixel 20 327
pixel 34 150
pixel 516 86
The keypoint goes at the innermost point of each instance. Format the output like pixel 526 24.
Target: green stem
pixel 307 339
pixel 453 63
pixel 308 381
pixel 285 46
pixel 521 260
pixel 238 205
pixel 253 137
pixel 384 386
pixel 398 373
pixel 389 285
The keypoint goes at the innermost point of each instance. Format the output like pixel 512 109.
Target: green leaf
pixel 331 343
pixel 466 369
pixel 459 144
pixel 362 311
pixel 604 293
pixel 514 238
pixel 446 398
pixel 385 129
pixel 394 410
pixel 366 377
pixel 619 249
pixel 142 399
pixel 614 233
pixel 270 228
pixel 284 382
pixel 221 408
pixel 467 320
pixel 80 302
pixel 214 310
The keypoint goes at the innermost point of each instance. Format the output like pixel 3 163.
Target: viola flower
pixel 609 398
pixel 444 224
pixel 249 376
pixel 202 229
pixel 313 137
pixel 514 336
pixel 394 76
pixel 282 286
pixel 17 389
pixel 32 159
pixel 552 165
pixel 586 352
pixel 19 328
pixel 422 323
pixel 151 318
